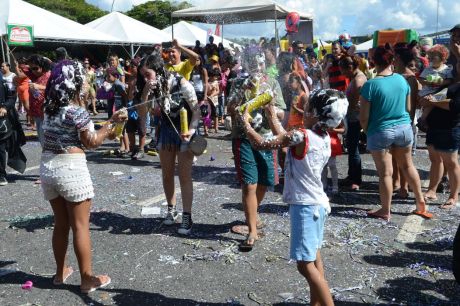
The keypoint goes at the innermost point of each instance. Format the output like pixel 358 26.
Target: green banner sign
pixel 20 35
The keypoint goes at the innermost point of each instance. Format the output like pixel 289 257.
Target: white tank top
pixel 302 180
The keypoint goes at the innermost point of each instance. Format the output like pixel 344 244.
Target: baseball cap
pixel 456 27
pixel 214 58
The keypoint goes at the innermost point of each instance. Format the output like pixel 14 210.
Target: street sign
pixel 20 35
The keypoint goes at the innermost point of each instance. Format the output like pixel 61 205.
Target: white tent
pixel 237 11
pixel 364 47
pixel 48 26
pixel 189 31
pixel 131 31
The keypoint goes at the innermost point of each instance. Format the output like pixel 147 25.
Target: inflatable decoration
pixel 292 22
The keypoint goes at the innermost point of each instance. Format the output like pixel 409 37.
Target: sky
pixel 332 17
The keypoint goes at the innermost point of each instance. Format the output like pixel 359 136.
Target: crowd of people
pixel 316 108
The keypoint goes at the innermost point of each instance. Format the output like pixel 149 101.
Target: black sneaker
pixel 171 216
pixel 3 181
pixel 186 225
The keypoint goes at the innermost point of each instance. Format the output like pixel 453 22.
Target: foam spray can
pixel 183 121
pixel 258 102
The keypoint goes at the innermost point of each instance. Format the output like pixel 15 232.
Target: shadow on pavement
pixel 118 224
pixel 120 297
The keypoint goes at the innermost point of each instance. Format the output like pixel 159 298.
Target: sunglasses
pixel 34 68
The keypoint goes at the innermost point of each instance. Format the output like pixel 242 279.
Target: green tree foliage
pixel 156 13
pixel 77 10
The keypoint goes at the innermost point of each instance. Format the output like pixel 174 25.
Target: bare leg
pixel 60 236
pixel 404 159
pixel 314 273
pixel 450 161
pixel 250 205
pixel 132 141
pixel 185 162
pixel 167 162
pixel 383 163
pixel 79 221
pixel 436 172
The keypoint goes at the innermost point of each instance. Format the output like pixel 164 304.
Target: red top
pixel 336 145
pixel 37 97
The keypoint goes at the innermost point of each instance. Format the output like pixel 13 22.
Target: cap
pixel 214 58
pixel 456 27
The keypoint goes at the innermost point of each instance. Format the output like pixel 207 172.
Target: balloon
pixel 292 22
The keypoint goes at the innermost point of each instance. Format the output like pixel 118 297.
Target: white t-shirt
pixel 444 71
pixel 9 81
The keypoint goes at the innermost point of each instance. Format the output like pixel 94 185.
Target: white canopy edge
pixel 236 11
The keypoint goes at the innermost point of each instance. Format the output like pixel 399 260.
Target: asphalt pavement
pixel 406 261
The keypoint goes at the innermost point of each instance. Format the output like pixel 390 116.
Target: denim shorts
pixel 307 231
pixel 400 136
pixel 444 140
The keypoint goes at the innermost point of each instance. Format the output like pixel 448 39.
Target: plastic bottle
pixel 183 121
pixel 258 102
pixel 434 78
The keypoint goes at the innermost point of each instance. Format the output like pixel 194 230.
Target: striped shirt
pixel 62 131
pixel 336 79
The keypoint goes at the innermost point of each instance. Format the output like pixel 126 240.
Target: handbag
pixel 198 144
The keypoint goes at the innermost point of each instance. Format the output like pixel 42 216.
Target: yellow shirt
pixel 184 69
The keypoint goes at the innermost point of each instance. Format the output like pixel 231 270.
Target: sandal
pixel 449 204
pixel 99 281
pixel 57 282
pixel 424 214
pixel 373 214
pixel 246 246
pixel 243 229
pixel 427 198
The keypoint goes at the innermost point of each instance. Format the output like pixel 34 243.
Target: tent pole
pixel 276 34
pixel 222 37
pixel 3 51
pixel 7 53
pixel 172 28
pixel 132 51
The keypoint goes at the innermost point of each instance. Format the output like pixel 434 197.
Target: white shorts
pixel 65 175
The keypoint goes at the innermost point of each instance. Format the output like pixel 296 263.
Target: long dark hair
pixel 40 61
pixel 155 62
pixel 285 62
pixel 404 52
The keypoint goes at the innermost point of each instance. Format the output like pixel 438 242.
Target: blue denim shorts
pixel 400 136
pixel 307 231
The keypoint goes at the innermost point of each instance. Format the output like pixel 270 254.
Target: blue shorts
pixel 400 136
pixel 170 140
pixel 307 231
pixel 447 141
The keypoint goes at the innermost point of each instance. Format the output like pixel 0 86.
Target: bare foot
pixel 431 196
pixel 379 214
pixel 450 203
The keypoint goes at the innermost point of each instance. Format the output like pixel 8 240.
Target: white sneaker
pixel 3 181
pixel 171 217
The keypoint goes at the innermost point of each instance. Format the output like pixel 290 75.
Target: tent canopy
pixel 237 11
pixel 131 30
pixel 364 47
pixel 183 29
pixel 49 26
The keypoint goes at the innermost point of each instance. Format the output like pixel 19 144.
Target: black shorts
pixel 138 125
pixel 444 140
